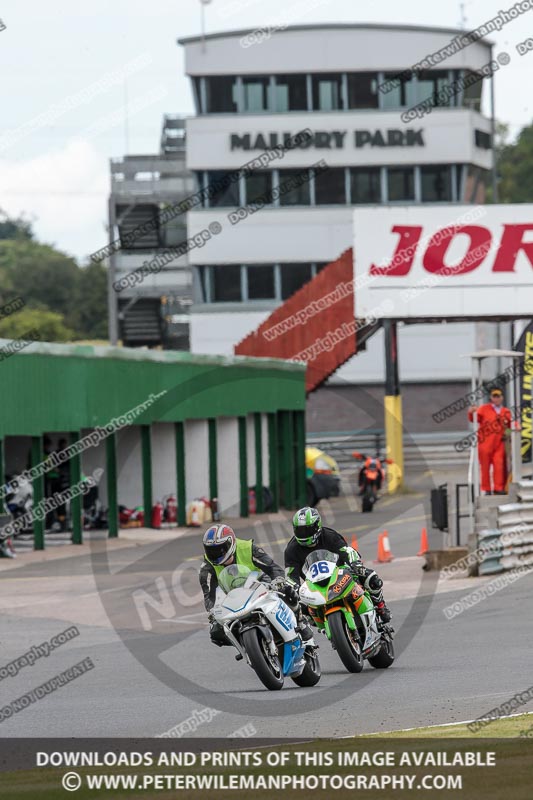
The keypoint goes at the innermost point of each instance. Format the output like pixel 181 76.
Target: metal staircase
pixel 140 322
pixel 315 324
pixel 130 218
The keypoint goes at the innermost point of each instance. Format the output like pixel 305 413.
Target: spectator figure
pixel 494 420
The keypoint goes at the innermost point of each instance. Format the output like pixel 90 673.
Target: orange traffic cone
pixel 355 545
pixel 386 547
pixel 384 551
pixel 424 546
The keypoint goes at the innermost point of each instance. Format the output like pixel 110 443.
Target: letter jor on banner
pixel 464 261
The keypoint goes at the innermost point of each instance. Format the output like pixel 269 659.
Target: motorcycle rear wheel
pixel 266 666
pixel 346 642
pixel 311 673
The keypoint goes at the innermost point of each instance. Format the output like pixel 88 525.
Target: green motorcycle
pixel 342 609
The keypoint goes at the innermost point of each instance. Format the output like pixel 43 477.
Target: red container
pixel 171 509
pixel 157 515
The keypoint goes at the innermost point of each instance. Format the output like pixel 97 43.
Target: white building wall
pixel 196 459
pixel 163 460
pixel 218 332
pixel 448 136
pixel 328 48
pixel 173 277
pixel 274 235
pixel 129 467
pixel 228 466
pixel 427 353
pixel 264 433
pixel 250 442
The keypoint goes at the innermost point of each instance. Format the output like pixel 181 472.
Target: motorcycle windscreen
pixel 234 577
pixel 319 555
pixel 320 565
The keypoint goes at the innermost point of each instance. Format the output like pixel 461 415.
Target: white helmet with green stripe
pixel 307 526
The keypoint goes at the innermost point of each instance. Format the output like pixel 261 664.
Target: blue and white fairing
pixel 256 597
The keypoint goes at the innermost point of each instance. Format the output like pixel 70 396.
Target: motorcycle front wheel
pixel 266 666
pixel 368 499
pixel 346 642
pixel 311 673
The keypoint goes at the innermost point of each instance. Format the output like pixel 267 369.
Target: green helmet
pixel 307 526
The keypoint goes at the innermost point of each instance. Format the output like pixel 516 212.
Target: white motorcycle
pixel 262 627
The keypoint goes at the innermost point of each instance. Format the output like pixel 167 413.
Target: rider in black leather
pixel 309 535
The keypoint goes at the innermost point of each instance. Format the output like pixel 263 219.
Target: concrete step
pixel 492 500
pixel 525 491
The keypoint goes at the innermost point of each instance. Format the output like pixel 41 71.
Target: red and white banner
pixel 448 262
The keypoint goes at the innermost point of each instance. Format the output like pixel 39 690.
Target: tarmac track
pixel 145 682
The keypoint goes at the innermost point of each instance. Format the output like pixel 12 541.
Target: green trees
pixel 63 301
pixel 49 326
pixel 515 168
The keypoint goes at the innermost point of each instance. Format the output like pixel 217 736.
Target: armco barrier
pixel 500 551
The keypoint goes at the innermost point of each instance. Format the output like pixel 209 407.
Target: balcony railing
pixel 151 175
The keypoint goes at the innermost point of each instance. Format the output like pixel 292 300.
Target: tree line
pixel 62 300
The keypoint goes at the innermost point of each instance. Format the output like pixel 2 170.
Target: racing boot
pixel 216 633
pixel 383 611
pixel 373 584
pixel 304 630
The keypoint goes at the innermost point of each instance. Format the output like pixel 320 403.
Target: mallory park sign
pixel 331 140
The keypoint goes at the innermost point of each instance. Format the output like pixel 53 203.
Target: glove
pixel 359 570
pixel 290 591
pixel 292 595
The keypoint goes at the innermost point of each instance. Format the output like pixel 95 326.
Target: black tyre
pixel 312 672
pixel 266 666
pixel 346 642
pixel 368 499
pixel 385 657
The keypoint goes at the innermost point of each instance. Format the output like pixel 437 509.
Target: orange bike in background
pixel 371 477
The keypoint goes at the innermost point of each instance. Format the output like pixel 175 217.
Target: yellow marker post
pixel 394 441
pixel 393 409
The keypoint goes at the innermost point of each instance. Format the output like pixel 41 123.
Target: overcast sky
pixel 52 54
